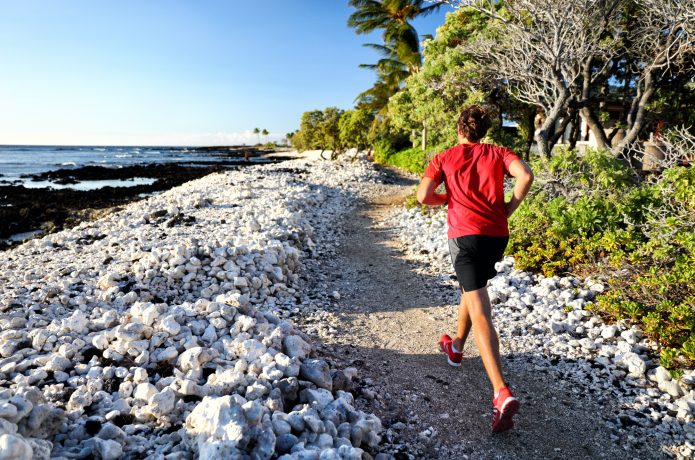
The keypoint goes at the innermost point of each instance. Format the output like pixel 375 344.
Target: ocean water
pixel 18 160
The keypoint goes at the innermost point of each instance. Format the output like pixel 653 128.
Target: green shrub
pixel 412 160
pixel 592 214
pixel 383 149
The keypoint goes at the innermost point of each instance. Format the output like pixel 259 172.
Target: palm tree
pixel 375 98
pixel 391 72
pixel 393 17
pixel 257 131
pixel 400 52
pixel 265 133
pixel 391 67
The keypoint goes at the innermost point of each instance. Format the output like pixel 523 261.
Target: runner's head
pixel 473 123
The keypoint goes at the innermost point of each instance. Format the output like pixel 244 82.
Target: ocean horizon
pixel 18 162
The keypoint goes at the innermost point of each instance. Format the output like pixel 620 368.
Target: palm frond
pixel 383 50
pixel 363 3
pixel 427 10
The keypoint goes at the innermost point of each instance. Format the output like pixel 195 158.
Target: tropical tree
pixel 400 51
pixel 257 132
pixel 319 129
pixel 429 104
pixel 265 133
pixel 308 136
pixel 329 131
pixel 393 18
pixel 354 127
pixel 391 72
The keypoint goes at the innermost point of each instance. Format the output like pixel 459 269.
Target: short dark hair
pixel 474 122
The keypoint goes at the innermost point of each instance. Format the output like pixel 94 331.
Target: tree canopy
pixel 623 68
pixel 400 50
pixel 570 58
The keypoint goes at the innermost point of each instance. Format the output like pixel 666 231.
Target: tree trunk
pixel 531 129
pixel 574 135
pixel 611 136
pixel 424 135
pixel 563 126
pixel 596 127
pixel 591 120
pixel 547 131
pixel 543 143
pixel 636 116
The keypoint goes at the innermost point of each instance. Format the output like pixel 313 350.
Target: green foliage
pixel 308 136
pixel 411 201
pixel 449 80
pixel 591 214
pixel 392 18
pixel 383 149
pixel 400 49
pixel 413 160
pixel 354 128
pixel 386 140
pixel 669 357
pixel 329 131
pixel 318 130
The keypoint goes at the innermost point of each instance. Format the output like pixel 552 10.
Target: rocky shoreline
pixel 158 330
pixel 47 210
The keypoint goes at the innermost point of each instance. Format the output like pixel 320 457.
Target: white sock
pixel 453 348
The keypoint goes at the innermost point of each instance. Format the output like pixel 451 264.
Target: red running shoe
pixel 445 344
pixel 504 406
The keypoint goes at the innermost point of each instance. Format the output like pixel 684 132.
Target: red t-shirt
pixel 474 178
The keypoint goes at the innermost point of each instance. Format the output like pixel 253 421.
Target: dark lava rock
pixel 123 419
pixel 29 209
pixel 318 372
pixel 92 426
pixel 284 443
pixel 289 388
pixel 340 380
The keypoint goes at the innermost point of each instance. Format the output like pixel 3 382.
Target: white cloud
pixel 168 139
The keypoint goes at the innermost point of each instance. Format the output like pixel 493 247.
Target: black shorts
pixel 474 258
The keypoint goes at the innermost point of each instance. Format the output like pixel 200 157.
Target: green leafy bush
pixel 413 160
pixel 383 149
pixel 592 214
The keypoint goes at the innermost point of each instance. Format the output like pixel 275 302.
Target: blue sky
pixel 174 72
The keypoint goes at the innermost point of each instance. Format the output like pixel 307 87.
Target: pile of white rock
pixel 551 320
pixel 158 331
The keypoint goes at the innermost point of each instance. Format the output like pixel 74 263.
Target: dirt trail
pixel 391 314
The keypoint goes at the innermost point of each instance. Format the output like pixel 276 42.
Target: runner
pixel 473 174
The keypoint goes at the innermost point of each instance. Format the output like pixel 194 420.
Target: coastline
pixel 148 326
pixel 28 210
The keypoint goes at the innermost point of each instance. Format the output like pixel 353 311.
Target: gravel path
pixel 386 323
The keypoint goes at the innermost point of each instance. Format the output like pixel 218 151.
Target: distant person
pixel 473 174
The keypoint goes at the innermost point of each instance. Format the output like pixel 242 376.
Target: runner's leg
pixel 463 326
pixel 480 311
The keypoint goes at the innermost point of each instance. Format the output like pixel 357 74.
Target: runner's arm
pixel 524 178
pixel 426 195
